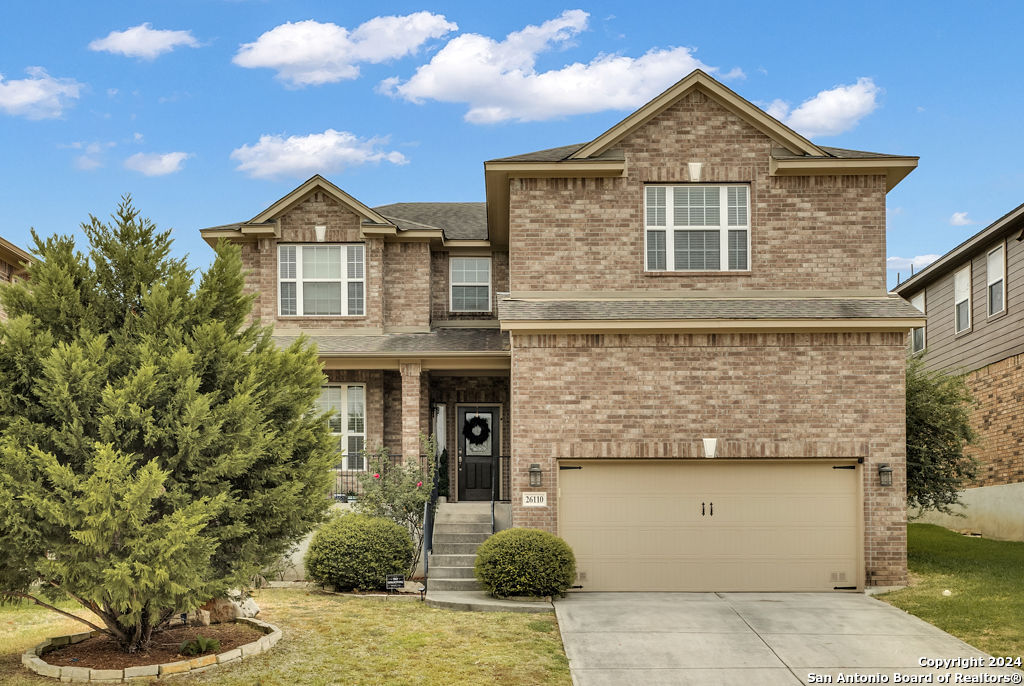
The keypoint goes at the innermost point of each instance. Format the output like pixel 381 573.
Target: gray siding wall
pixel 989 339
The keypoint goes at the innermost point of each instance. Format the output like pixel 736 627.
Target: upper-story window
pixel 348 423
pixel 6 271
pixel 917 335
pixel 962 299
pixel 470 279
pixel 996 269
pixel 697 228
pixel 321 280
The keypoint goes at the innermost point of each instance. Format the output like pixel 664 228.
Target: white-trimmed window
pixel 996 272
pixel 321 280
pixel 697 228
pixel 962 299
pixel 470 279
pixel 348 423
pixel 917 335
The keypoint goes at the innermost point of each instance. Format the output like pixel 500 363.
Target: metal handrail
pixel 495 468
pixel 428 526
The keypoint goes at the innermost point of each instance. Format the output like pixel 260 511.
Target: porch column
pixel 411 373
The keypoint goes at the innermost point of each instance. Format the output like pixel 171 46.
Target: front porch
pixel 463 403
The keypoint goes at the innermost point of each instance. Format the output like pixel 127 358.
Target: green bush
pixel 358 551
pixel 199 646
pixel 525 562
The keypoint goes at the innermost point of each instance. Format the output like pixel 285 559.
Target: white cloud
pixel 157 164
pixel 312 53
pixel 906 262
pixel 143 41
pixel 830 112
pixel 960 219
pixel 92 153
pixel 499 79
pixel 40 96
pixel 301 156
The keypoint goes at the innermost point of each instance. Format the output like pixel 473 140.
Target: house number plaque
pixel 538 499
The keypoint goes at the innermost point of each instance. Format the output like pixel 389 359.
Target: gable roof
pixel 698 79
pixel 1009 223
pixel 317 182
pixel 792 153
pixel 458 220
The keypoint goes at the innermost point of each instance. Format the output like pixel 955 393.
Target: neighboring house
pixel 13 261
pixel 973 297
pixel 699 281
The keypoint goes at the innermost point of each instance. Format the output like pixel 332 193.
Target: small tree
pixel 155 449
pixel 938 431
pixel 399 492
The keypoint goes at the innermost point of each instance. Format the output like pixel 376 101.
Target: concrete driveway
pixel 751 638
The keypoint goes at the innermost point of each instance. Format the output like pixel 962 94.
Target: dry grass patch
pixel 332 639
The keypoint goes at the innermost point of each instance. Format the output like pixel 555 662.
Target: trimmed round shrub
pixel 525 562
pixel 357 551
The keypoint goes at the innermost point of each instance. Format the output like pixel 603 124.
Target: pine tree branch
pixel 39 602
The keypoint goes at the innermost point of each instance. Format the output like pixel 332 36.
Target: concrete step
pixel 462 518
pixel 463 507
pixel 452 560
pixel 463 527
pixel 450 572
pixel 448 537
pixel 452 584
pixel 479 601
pixel 455 548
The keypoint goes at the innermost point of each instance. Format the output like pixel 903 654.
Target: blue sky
pixel 206 112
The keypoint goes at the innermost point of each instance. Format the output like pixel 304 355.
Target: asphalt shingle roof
pixel 458 220
pixel 707 308
pixel 439 341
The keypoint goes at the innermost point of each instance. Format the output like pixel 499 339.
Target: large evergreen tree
pixel 156 448
pixel 938 432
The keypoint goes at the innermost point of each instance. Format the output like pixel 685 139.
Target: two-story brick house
pixel 975 326
pixel 680 329
pixel 12 265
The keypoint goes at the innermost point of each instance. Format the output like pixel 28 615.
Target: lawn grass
pixel 331 639
pixel 985 577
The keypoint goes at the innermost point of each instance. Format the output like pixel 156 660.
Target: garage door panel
pixel 650 526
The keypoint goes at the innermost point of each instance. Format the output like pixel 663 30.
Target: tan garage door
pixel 745 525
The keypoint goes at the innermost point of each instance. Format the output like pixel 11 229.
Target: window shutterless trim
pixel 673 224
pixel 452 283
pixel 1001 280
pixel 345 433
pixel 923 329
pixel 965 299
pixel 343 281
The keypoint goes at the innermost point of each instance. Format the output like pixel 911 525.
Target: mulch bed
pixel 102 652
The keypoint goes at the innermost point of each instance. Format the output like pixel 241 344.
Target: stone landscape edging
pixel 32 659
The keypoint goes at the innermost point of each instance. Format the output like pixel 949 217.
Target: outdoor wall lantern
pixel 710 447
pixel 321 233
pixel 535 475
pixel 885 475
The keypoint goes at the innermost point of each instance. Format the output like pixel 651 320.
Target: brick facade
pixel 407 284
pixel 761 395
pixel 259 259
pixel 439 282
pixel 998 390
pixel 807 233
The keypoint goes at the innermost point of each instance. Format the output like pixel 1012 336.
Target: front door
pixel 479 440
